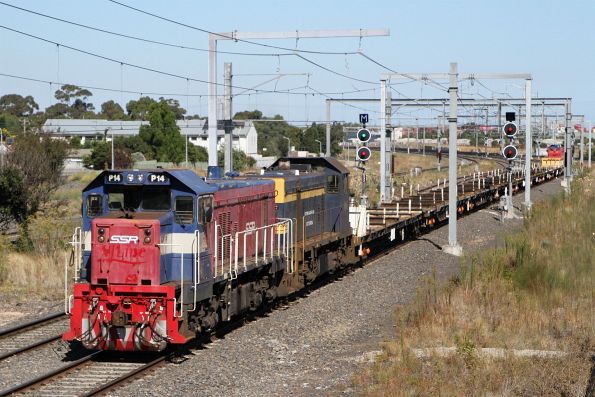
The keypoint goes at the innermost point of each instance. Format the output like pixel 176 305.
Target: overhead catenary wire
pixel 149 92
pixel 224 36
pixel 157 42
pixel 293 53
pixel 295 50
pixel 125 63
pixel 106 58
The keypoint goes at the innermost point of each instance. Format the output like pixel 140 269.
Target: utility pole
pixel 228 125
pixel 485 133
pixel 582 145
pixel 385 148
pixel 528 144
pixel 423 140
pixel 328 128
pixel 542 125
pixel 441 134
pixel 186 143
pixel 112 133
pixel 453 247
pixel 567 148
pixel 417 134
pixel 589 146
pixel 319 146
pixel 501 134
pixel 24 125
pixel 476 133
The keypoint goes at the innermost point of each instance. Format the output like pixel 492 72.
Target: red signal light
pixel 510 129
pixel 509 152
pixel 364 153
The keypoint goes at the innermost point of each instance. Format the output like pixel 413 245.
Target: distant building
pixel 245 136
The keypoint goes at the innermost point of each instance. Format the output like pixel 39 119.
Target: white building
pixel 244 133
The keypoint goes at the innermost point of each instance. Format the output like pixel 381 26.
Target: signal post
pixel 510 153
pixel 363 154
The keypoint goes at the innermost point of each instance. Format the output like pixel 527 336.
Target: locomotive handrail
pixel 196 264
pixel 181 279
pixel 290 247
pixel 268 234
pixel 75 253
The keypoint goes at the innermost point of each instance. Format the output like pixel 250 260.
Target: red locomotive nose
pixel 125 251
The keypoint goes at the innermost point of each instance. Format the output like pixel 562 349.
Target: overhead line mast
pixel 213 169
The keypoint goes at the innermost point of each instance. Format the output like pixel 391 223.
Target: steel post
pixel 382 140
pixel 113 157
pixel 589 146
pixel 328 128
pixel 227 110
pixel 213 171
pixel 453 247
pixel 567 148
pixel 528 144
pixel 582 145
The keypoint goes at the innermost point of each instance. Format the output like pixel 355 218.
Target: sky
pixel 554 41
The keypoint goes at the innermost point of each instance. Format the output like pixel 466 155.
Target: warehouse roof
pixel 92 127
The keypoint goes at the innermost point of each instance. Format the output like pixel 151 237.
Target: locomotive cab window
pixel 332 184
pixel 156 199
pixel 184 210
pixel 205 209
pixel 94 205
pixel 135 197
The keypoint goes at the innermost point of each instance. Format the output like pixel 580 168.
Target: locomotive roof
pixel 328 163
pixel 223 184
pixel 187 178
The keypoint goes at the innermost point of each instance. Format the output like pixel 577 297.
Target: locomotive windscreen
pixel 149 198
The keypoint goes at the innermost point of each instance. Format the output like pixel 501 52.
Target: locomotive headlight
pixel 101 231
pixel 147 232
pixel 147 236
pixel 101 239
pixel 147 240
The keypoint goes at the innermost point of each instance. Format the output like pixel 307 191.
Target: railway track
pixel 32 335
pixel 91 375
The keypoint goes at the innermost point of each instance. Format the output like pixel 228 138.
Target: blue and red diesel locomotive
pixel 164 255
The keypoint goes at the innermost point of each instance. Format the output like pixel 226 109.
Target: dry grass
pixel 35 274
pixel 40 272
pixel 536 293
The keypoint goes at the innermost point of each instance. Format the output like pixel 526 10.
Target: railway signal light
pixel 509 152
pixel 363 135
pixel 510 129
pixel 364 153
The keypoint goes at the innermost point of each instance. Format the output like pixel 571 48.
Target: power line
pixel 344 102
pixel 440 86
pixel 333 71
pixel 199 49
pixel 293 53
pixel 286 91
pixel 229 37
pixel 124 63
pixel 179 46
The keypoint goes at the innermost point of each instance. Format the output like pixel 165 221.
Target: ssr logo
pixel 118 239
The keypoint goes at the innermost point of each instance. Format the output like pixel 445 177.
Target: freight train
pixel 163 256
